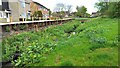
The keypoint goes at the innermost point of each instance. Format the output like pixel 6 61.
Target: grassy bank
pixel 94 44
pixel 72 44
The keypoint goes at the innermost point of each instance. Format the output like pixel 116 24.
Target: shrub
pixel 7 29
pixel 29 20
pixel 22 27
pixel 7 51
pixel 15 27
pixel 71 28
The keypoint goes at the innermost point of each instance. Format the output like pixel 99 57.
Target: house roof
pixel 41 5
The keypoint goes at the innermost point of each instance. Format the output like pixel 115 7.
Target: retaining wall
pixel 13 27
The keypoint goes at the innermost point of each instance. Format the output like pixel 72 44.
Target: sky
pixel 51 4
pixel 0 2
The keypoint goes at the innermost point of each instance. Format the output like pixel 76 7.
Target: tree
pixel 69 8
pixel 59 7
pixel 114 10
pixel 50 12
pixel 62 10
pixel 81 11
pixel 111 9
pixel 37 14
pixel 102 7
pixel 87 15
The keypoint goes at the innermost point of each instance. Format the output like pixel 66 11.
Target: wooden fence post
pixel 51 23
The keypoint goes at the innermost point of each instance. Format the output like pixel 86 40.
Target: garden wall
pixel 8 29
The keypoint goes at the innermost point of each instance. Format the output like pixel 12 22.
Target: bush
pixel 36 19
pixel 22 27
pixel 80 29
pixel 7 50
pixel 71 28
pixel 7 28
pixel 15 27
pixel 29 20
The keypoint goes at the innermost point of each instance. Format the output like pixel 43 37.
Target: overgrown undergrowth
pixel 72 44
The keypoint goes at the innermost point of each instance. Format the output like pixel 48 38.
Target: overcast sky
pixel 51 4
pixel 0 2
pixel 89 4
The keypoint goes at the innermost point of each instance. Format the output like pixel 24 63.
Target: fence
pixel 13 27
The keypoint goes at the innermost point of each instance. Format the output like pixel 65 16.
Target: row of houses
pixel 20 10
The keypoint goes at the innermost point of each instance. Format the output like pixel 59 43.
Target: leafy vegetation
pixel 37 15
pixel 7 29
pixel 72 44
pixel 81 11
pixel 21 27
pixel 111 9
pixel 15 27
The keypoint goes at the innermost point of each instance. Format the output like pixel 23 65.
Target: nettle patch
pixel 29 46
pixel 34 54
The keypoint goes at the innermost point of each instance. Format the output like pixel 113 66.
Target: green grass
pixel 0 51
pixel 93 43
pixel 96 45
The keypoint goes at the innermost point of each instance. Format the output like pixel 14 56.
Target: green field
pixel 93 43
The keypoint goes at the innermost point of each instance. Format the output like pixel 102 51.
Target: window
pixel 28 15
pixel 23 15
pixel 22 2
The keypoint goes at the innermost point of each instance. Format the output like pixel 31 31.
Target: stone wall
pixel 11 28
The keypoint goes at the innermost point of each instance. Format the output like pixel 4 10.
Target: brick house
pixel 16 10
pixel 35 6
pixel 4 11
pixel 95 14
